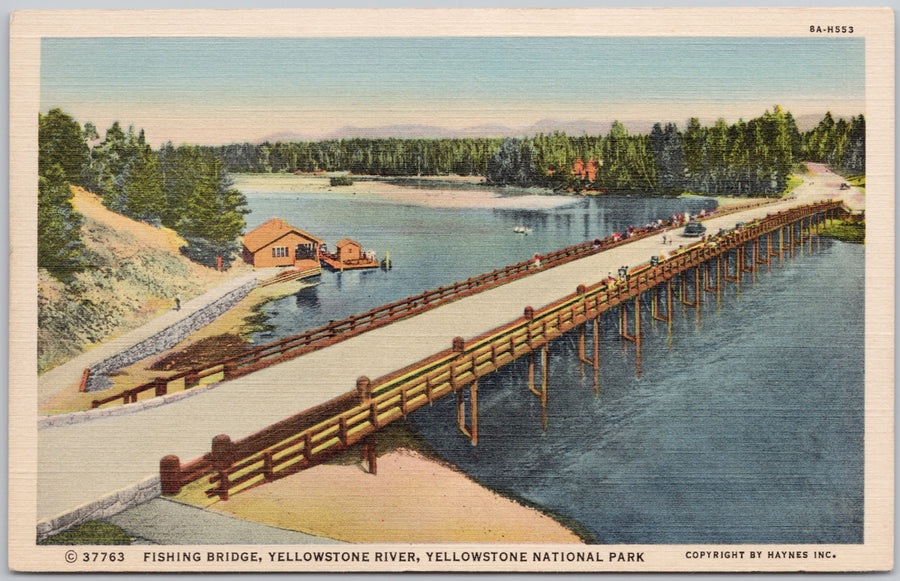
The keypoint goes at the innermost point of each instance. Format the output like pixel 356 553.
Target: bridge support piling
pixel 707 277
pixel 637 334
pixel 810 237
pixel 684 285
pixel 596 356
pixel 793 243
pixel 545 372
pixel 781 246
pixel 755 259
pixel 367 452
pixel 531 374
pixel 657 299
pixel 719 282
pixel 670 305
pixel 747 266
pixel 759 254
pixel 623 330
pixel 697 296
pixel 581 343
pixel 470 430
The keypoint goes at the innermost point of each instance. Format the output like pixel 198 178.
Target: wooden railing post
pixel 170 475
pixel 160 386
pixel 268 467
pixel 84 379
pixel 364 389
pixel 229 371
pixel 191 380
pixel 222 454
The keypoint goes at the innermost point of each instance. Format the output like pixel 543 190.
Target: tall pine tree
pixel 62 153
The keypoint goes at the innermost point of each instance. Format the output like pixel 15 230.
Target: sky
pixel 224 90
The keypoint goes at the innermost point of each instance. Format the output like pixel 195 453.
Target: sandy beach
pixel 435 197
pixel 413 498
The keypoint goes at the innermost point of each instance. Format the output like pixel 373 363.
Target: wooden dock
pixel 293 274
pixel 334 264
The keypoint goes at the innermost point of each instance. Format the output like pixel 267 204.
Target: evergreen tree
pixel 61 143
pixel 513 164
pixel 854 158
pixel 670 159
pixel 142 189
pixel 62 153
pixel 213 215
pixel 59 235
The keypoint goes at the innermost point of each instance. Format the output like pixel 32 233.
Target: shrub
pixel 341 180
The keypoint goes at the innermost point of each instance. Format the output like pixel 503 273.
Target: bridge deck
pixel 80 463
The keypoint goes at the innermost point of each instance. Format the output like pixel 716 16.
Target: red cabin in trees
pixel 585 171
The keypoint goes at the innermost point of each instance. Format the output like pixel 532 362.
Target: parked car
pixel 694 229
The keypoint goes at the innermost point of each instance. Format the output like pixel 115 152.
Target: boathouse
pixel 349 251
pixel 277 243
pixel 348 254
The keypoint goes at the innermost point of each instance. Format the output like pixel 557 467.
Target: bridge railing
pixel 335 331
pixel 315 434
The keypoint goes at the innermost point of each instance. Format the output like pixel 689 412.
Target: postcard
pixel 470 290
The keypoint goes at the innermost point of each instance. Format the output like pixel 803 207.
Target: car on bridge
pixel 694 229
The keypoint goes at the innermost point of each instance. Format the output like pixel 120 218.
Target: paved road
pixel 167 522
pixel 80 463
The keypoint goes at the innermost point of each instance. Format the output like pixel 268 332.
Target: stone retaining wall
pixel 165 339
pixel 106 506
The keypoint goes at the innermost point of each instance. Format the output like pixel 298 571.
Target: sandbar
pixel 437 196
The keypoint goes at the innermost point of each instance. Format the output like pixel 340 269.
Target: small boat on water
pixel 521 230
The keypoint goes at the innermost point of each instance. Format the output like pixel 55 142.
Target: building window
pixel 279 251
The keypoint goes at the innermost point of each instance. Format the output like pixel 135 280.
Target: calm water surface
pixel 431 247
pixel 745 429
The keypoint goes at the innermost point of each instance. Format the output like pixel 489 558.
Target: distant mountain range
pixel 571 127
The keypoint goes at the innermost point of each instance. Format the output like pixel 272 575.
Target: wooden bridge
pixel 416 351
pixel 316 434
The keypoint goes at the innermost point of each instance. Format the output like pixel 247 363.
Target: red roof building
pixel 348 251
pixel 277 243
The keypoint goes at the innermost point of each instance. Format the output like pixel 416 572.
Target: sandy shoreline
pixel 434 197
pixel 414 498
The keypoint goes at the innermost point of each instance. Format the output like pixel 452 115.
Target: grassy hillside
pixel 136 271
